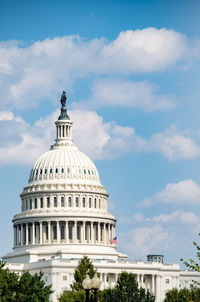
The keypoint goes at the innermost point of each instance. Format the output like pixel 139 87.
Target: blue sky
pixel 131 72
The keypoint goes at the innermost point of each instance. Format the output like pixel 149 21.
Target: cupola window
pixel 62 170
pixel 45 171
pixel 90 202
pixel 88 171
pixel 84 171
pixel 31 204
pixel 50 170
pixel 99 203
pixel 35 203
pixel 83 202
pixel 55 201
pixel 77 202
pixel 41 172
pixel 56 170
pixel 95 203
pixel 36 172
pixel 62 201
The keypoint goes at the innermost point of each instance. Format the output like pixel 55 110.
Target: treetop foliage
pixel 26 288
pixel 85 266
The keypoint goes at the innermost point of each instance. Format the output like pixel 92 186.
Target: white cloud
pixel 140 241
pixel 161 234
pixel 35 73
pixel 183 192
pixel 98 139
pixel 174 145
pixel 117 92
pixel 146 50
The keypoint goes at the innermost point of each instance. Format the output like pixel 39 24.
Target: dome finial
pixel 63 115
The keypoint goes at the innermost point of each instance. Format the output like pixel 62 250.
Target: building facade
pixel 64 216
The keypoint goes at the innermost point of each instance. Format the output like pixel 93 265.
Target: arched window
pixel 83 202
pixel 90 202
pixel 95 202
pixel 62 170
pixel 62 201
pixel 41 202
pixel 69 201
pixel 77 202
pixel 99 203
pixel 56 170
pixel 55 201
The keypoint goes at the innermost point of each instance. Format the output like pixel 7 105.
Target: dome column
pixel 26 228
pixel 83 231
pixel 58 231
pixel 49 232
pixel 99 233
pixel 33 233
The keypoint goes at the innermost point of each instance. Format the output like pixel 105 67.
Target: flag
pixel 113 240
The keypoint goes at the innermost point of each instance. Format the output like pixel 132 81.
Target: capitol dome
pixel 64 164
pixel 64 205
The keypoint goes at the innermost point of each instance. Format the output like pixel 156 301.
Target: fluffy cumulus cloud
pixel 183 192
pixel 118 92
pixel 160 234
pixel 29 74
pixel 23 142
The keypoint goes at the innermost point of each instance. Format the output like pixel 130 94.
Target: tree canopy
pixel 183 295
pixel 126 290
pixel 26 288
pixel 85 266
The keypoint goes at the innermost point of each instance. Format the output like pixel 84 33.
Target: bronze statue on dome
pixel 63 98
pixel 63 115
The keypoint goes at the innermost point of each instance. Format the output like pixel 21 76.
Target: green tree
pixel 126 290
pixel 85 266
pixel 72 296
pixel 8 284
pixel 191 264
pixel 32 288
pixel 22 289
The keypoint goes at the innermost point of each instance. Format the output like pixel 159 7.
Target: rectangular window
pixel 70 232
pixel 54 232
pixel 166 280
pixel 78 232
pixel 69 201
pixel 62 231
pixel 41 202
pixel 35 203
pixel 46 232
pixel 77 203
pixel 90 202
pixel 62 201
pixel 26 204
pixel 55 202
pixel 31 204
pixel 95 203
pixel 48 202
pixel 96 232
pixel 83 202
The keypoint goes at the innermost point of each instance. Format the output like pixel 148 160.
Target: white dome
pixel 64 164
